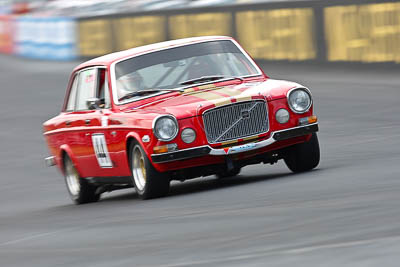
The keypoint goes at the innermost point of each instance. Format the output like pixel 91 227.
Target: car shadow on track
pixel 209 183
pixel 212 183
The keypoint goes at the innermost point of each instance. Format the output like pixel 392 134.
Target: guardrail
pixel 323 31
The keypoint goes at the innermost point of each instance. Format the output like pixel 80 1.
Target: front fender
pixel 138 136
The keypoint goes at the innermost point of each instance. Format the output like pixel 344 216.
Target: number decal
pixel 101 151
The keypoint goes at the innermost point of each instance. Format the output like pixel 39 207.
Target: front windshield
pixel 168 69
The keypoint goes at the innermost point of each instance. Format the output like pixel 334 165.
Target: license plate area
pixel 241 148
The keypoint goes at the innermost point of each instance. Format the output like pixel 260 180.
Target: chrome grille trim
pixel 237 120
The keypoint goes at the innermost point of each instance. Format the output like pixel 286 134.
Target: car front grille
pixel 235 121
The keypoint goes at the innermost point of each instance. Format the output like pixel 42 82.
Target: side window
pixel 86 89
pixel 103 92
pixel 72 95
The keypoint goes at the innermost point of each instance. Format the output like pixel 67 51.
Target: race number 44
pixel 101 151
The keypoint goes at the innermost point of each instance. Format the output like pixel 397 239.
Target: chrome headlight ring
pixel 165 127
pixel 308 99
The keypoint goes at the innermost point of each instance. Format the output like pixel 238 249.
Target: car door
pixel 99 135
pixel 79 121
pixel 108 140
pixel 94 143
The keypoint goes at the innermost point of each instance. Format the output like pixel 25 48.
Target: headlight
pixel 282 116
pixel 299 100
pixel 165 128
pixel 188 135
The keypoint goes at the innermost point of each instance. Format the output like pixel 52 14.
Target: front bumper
pixel 207 150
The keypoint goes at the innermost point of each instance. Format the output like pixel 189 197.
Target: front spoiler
pixel 207 150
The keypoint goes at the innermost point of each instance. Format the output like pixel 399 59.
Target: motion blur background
pixel 313 30
pixel 344 213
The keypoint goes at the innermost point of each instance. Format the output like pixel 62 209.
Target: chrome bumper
pixel 50 161
pixel 207 150
pixel 275 136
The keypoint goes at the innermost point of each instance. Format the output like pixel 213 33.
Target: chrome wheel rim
pixel 72 178
pixel 139 169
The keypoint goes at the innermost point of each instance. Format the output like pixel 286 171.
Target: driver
pixel 201 67
pixel 129 83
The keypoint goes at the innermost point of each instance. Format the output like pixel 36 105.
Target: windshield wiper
pixel 202 79
pixel 145 92
pixel 210 78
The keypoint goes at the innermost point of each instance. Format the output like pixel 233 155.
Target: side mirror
pixel 93 103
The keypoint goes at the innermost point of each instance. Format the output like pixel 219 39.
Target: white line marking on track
pixel 30 237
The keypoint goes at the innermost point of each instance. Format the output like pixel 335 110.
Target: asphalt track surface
pixel 344 213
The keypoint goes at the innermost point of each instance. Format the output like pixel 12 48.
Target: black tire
pixel 79 189
pixel 303 157
pixel 154 184
pixel 226 174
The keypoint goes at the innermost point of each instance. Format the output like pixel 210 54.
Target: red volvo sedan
pixel 173 111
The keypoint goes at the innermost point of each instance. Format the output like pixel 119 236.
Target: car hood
pixel 197 99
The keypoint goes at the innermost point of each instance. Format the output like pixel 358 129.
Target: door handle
pixel 87 121
pixel 68 123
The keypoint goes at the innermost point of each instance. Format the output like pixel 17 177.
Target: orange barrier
pixel 6 34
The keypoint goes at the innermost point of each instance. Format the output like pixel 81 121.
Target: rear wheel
pixel 148 182
pixel 303 157
pixel 78 188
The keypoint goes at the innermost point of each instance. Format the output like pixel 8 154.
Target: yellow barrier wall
pixel 192 25
pixel 95 37
pixel 366 33
pixel 137 31
pixel 361 33
pixel 282 34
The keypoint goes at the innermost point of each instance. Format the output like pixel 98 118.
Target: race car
pixel 176 110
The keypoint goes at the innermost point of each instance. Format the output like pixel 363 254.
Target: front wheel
pixel 303 157
pixel 148 182
pixel 78 188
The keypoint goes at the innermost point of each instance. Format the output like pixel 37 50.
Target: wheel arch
pixel 65 151
pixel 133 137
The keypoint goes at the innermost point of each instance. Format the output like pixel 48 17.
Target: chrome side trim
pixel 50 161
